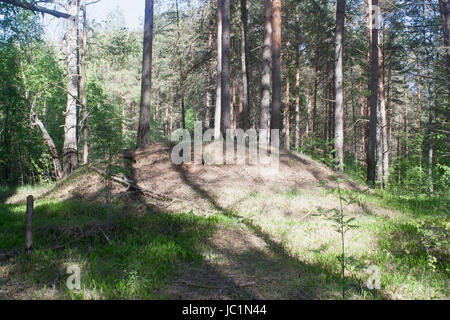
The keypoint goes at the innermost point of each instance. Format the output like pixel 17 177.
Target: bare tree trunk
pixel 83 87
pixel 308 110
pixel 287 120
pixel 70 149
pixel 50 145
pixel 245 92
pixel 144 117
pixel 314 111
pixel 208 80
pixel 226 97
pixel 265 68
pixel 419 108
pixel 430 144
pixel 233 119
pixel 372 143
pixel 276 65
pixel 384 135
pixel 180 69
pixel 444 9
pixel 297 85
pixel 218 110
pixel 339 83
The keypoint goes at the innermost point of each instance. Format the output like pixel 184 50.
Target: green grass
pixel 140 254
pixel 125 256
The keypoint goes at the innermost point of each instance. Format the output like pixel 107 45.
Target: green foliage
pixel 342 225
pixel 120 256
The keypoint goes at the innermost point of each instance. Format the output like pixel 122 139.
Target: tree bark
pixel 276 65
pixel 383 120
pixel 245 93
pixel 430 144
pixel 50 145
pixel 372 141
pixel 218 111
pixel 287 120
pixel 265 68
pixel 226 91
pixel 297 85
pixel 339 83
pixel 208 80
pixel 146 86
pixel 70 149
pixel 444 9
pixel 83 86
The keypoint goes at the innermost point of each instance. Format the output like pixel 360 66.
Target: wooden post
pixel 29 227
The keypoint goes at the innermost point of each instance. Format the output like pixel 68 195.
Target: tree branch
pixel 33 7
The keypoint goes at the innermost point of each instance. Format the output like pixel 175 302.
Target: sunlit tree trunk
pixel 297 86
pixel 444 9
pixel 70 148
pixel 83 86
pixel 208 80
pixel 265 68
pixel 218 110
pixel 383 121
pixel 226 81
pixel 339 83
pixel 287 120
pixel 276 65
pixel 372 143
pixel 146 87
pixel 245 93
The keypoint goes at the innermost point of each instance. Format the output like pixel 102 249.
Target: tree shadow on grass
pixel 120 256
pixel 298 276
pixel 6 191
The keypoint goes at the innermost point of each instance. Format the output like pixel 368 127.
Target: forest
pixel 352 96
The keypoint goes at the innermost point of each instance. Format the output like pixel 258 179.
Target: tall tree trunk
pixel 265 68
pixel 70 149
pixel 339 83
pixel 83 86
pixel 226 96
pixel 383 120
pixel 276 65
pixel 208 79
pixel 218 110
pixel 180 69
pixel 316 84
pixel 233 119
pixel 297 84
pixel 430 144
pixel 444 9
pixel 287 120
pixel 308 109
pixel 372 141
pixel 146 87
pixel 419 108
pixel 245 93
